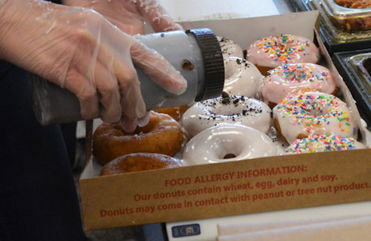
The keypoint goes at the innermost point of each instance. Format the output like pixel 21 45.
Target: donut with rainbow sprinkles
pixel 299 116
pixel 323 143
pixel 272 51
pixel 291 78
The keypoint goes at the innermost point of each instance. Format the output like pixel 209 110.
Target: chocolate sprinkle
pixel 226 100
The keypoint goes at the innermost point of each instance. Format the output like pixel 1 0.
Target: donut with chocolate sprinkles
pixel 227 109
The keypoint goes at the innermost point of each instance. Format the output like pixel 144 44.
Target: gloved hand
pixel 80 50
pixel 129 15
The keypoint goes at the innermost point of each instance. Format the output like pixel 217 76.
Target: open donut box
pixel 234 188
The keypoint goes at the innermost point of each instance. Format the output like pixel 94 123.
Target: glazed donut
pixel 228 142
pixel 241 77
pixel 161 135
pixel 270 52
pixel 290 78
pixel 227 109
pixel 139 162
pixel 175 112
pixel 229 48
pixel 299 116
pixel 322 143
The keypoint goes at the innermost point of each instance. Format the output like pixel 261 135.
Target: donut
pixel 227 109
pixel 275 50
pixel 241 77
pixel 175 112
pixel 161 135
pixel 323 143
pixel 229 48
pixel 299 116
pixel 135 162
pixel 228 142
pixel 290 78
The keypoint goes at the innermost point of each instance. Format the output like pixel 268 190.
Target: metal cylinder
pixel 195 54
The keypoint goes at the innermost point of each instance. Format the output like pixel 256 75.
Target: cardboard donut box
pixel 234 188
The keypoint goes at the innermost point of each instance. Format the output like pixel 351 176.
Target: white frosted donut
pixel 241 77
pixel 299 116
pixel 227 109
pixel 228 142
pixel 229 48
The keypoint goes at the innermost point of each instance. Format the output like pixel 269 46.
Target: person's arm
pixel 129 15
pixel 80 50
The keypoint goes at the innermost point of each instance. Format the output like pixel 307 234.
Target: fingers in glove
pixel 108 91
pixel 153 12
pixel 156 66
pixel 144 120
pixel 85 92
pixel 132 103
pixel 94 60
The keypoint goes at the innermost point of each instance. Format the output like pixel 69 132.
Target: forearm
pixel 16 24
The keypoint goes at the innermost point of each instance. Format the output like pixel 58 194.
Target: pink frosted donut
pixel 299 116
pixel 270 52
pixel 322 143
pixel 289 78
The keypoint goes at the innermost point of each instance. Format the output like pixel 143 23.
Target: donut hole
pixel 152 124
pixel 314 110
pixel 229 156
pixel 147 128
pixel 315 114
pixel 228 149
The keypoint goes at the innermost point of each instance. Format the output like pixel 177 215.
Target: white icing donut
pixel 228 142
pixel 229 48
pixel 227 109
pixel 241 77
pixel 299 116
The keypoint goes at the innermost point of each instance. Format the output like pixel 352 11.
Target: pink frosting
pixel 273 51
pixel 289 78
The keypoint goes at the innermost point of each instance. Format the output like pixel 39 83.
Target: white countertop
pixel 187 10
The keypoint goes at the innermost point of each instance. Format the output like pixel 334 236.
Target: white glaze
pixel 313 113
pixel 229 48
pixel 273 51
pixel 290 78
pixel 214 143
pixel 241 77
pixel 227 109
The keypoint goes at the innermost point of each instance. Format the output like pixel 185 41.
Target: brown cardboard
pixel 198 192
pixel 305 180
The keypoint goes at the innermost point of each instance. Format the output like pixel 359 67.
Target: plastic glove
pixel 79 50
pixel 129 15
